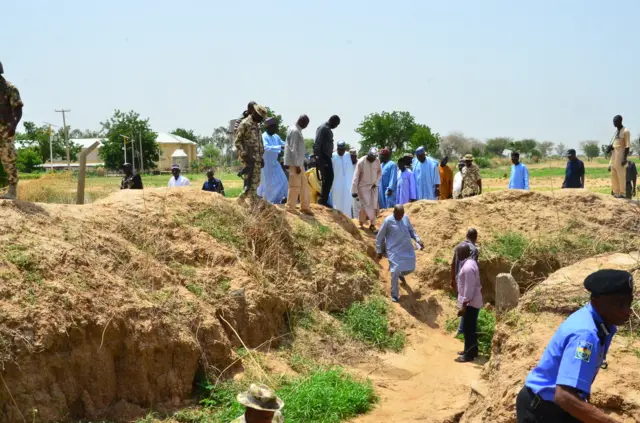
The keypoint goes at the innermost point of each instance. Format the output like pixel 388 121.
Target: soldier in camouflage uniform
pixel 262 405
pixel 251 150
pixel 10 115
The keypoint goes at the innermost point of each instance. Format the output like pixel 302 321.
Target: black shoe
pixel 460 352
pixel 464 359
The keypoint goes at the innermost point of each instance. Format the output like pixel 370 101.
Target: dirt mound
pixel 528 233
pixel 523 334
pixel 115 307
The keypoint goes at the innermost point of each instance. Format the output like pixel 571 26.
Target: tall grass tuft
pixel 369 322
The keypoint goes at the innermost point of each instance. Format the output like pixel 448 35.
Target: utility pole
pixel 66 134
pixel 124 137
pixel 141 156
pixel 51 144
pixel 133 154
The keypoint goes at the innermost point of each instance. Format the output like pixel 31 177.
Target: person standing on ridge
pixel 471 180
pixel 250 150
pixel 457 180
pixel 10 114
pixel 273 181
pixel 574 174
pixel 469 303
pixel 355 203
pixel 343 177
pixel 519 173
pixel 389 182
pixel 558 389
pixel 294 160
pixel 446 179
pixel 619 154
pixel 395 237
pixel 366 179
pixel 632 179
pixel 323 150
pixel 425 170
pixel 406 185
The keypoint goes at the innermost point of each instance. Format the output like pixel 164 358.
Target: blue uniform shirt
pixel 573 357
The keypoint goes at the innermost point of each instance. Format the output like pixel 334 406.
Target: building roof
pixel 165 138
pixel 179 153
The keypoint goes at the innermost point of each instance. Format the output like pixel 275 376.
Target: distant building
pixel 173 149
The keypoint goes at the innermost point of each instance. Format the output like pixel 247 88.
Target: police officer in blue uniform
pixel 558 389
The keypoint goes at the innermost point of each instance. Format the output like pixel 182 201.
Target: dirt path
pixel 423 383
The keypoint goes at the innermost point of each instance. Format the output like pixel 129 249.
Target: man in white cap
pixel 366 179
pixel 342 179
pixel 262 405
pixel 177 180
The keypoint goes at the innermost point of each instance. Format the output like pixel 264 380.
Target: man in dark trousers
pixel 212 184
pixel 574 174
pixel 323 150
pixel 632 178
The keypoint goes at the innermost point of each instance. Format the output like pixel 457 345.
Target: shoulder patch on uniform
pixel 583 351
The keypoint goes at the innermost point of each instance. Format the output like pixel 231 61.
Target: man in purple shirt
pixel 469 302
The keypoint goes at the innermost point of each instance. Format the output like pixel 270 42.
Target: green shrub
pixel 369 323
pixel 510 245
pixel 483 162
pixel 325 396
pixel 486 329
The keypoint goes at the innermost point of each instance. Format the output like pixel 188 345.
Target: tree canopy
pixel 590 149
pixel 186 133
pixel 545 148
pixel 496 146
pixel 37 138
pixel 397 131
pixel 561 149
pixel 128 124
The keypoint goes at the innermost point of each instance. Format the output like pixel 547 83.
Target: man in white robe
pixel 177 180
pixel 366 179
pixel 355 205
pixel 342 179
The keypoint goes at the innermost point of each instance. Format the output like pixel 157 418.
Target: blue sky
pixel 549 70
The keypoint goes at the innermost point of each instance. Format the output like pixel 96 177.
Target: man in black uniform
pixel 558 389
pixel 129 180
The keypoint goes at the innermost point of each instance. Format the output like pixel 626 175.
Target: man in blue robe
pixel 406 185
pixel 273 182
pixel 395 237
pixel 427 175
pixel 387 187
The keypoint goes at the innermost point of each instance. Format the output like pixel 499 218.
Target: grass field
pixel 61 186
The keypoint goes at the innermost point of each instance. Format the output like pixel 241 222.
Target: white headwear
pixel 373 151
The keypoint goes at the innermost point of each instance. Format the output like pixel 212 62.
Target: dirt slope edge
pixel 523 334
pixel 112 308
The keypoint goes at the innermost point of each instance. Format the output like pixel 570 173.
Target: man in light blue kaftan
pixel 395 237
pixel 406 185
pixel 273 182
pixel 388 183
pixel 427 175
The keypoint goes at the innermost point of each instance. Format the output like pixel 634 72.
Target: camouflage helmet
pixel 1 69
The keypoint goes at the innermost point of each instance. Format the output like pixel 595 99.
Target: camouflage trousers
pixel 8 155
pixel 251 181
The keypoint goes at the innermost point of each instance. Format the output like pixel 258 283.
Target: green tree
pixel 212 153
pixel 561 149
pixel 393 130
pixel 527 145
pixel 423 137
pixel 28 159
pixel 224 142
pixel 635 146
pixel 282 128
pixel 496 146
pixel 186 133
pixel 87 133
pixel 38 138
pixel 128 124
pixel 545 148
pixel 590 149
pixel 308 145
pixel 535 155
